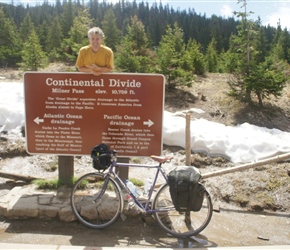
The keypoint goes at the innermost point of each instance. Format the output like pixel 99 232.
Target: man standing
pixel 95 58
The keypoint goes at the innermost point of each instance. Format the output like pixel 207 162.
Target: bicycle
pixel 97 199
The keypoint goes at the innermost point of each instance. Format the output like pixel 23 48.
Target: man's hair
pixel 96 30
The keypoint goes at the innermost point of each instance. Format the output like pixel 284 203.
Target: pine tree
pixel 109 27
pixel 136 33
pixel 171 58
pixel 212 57
pixel 67 17
pixel 77 35
pixel 125 59
pixel 262 45
pixel 33 58
pixel 9 41
pixel 195 58
pixel 26 27
pixel 282 47
pixel 42 33
pixel 254 74
pixel 265 79
pixel 133 53
pixel 54 40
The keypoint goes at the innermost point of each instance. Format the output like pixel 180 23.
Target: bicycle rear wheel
pixel 96 200
pixel 180 224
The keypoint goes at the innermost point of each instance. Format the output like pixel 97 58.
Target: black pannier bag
pixel 101 155
pixel 186 192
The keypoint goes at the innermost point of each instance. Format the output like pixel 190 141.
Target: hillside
pixel 210 93
pixel 265 187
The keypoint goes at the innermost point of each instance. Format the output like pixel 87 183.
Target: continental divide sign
pixel 70 113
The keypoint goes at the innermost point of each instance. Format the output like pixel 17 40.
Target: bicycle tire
pixel 181 224
pixel 93 208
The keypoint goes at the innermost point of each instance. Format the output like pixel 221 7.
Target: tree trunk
pixel 278 158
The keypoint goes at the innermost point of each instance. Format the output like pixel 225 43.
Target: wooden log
pixel 188 140
pixel 20 177
pixel 247 166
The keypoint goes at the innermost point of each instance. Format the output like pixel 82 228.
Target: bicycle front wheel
pixel 96 200
pixel 180 224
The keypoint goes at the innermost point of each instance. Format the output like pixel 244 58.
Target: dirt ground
pixel 252 207
pixel 229 227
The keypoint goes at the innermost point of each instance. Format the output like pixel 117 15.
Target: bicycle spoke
pixel 94 207
pixel 180 224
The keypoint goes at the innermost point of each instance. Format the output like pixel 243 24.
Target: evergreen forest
pixel 150 38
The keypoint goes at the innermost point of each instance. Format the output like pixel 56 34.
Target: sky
pixel 240 144
pixel 270 11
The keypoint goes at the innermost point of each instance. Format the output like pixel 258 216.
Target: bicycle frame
pixel 97 200
pixel 112 172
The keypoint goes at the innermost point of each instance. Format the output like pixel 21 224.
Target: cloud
pixel 226 11
pixel 281 14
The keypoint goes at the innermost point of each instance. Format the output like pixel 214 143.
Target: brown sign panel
pixel 70 113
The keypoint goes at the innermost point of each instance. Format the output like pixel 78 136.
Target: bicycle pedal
pixel 123 217
pixel 142 198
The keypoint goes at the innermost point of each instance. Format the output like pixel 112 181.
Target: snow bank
pixel 243 143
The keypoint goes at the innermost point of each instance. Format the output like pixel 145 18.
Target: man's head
pixel 96 30
pixel 96 37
